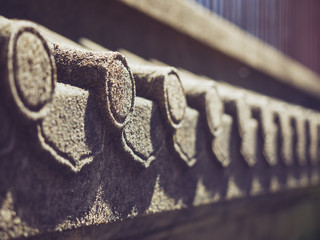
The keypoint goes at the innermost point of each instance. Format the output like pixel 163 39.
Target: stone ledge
pixel 208 28
pixel 94 172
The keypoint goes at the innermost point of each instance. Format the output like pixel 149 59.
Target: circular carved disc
pixel 31 70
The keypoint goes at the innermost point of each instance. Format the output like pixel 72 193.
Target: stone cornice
pixel 120 139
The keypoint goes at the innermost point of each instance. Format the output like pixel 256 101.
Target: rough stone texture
pixel 244 219
pixel 220 172
pixel 28 73
pixel 72 131
pixel 106 73
pixel 143 137
pixel 204 96
pixel 163 85
pixel 220 144
pixel 33 74
pixel 155 39
pixel 185 138
pixel 236 103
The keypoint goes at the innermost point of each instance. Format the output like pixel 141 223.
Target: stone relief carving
pixel 162 85
pixel 76 103
pixel 28 69
pixel 106 73
pixel 143 137
pixel 94 94
pixel 73 130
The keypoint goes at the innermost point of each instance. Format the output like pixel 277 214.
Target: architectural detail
pixel 270 132
pixel 28 73
pixel 106 74
pixel 203 96
pixel 185 138
pixel 236 104
pixel 73 131
pixel 144 136
pixel 162 84
pixel 199 141
pixel 286 128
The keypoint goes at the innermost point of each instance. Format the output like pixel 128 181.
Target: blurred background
pixel 291 26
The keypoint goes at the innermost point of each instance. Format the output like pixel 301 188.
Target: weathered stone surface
pixel 28 73
pixel 220 145
pixel 185 137
pixel 162 84
pixel 144 136
pixel 107 73
pixel 247 126
pixel 73 130
pixel 204 96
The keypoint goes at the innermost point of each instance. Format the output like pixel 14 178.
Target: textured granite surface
pixel 89 140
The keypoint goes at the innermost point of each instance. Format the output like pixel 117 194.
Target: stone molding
pixel 99 112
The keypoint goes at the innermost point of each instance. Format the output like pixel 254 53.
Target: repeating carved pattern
pixel 170 110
